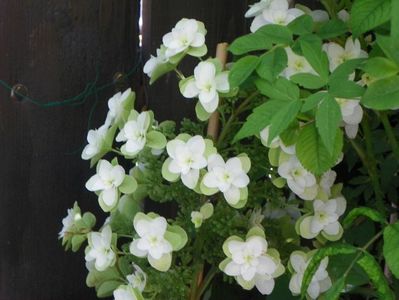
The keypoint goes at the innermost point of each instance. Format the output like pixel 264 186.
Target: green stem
pixel 117 152
pixel 240 108
pixel 125 235
pixel 180 74
pixel 372 165
pixel 390 134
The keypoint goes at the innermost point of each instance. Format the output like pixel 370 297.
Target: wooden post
pixel 213 124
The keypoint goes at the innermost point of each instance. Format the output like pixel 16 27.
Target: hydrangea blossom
pixel 352 114
pixel 272 12
pixel 187 156
pixel 299 180
pixel 138 279
pixel 251 262
pixel 155 61
pixel 228 177
pixel 206 84
pixel 73 214
pixel 153 242
pixel 276 142
pixel 96 139
pixel 296 64
pixel 119 107
pixel 324 220
pixel 100 250
pixel 338 54
pixel 320 282
pixel 127 292
pixel 188 35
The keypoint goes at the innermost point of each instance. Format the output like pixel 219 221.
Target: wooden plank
pixel 54 48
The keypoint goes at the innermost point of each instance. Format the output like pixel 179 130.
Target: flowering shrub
pixel 309 97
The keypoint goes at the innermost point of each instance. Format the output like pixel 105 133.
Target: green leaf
pixel 390 47
pixel 129 185
pixel 370 213
pixel 282 89
pixel 335 290
pixel 345 69
pixel 283 118
pixel 311 49
pixel 390 248
pixel 309 81
pixel 328 119
pixel 380 67
pixel 312 152
pixel 313 100
pixel 272 63
pixel 382 94
pixel 169 176
pixel 345 89
pixel 332 28
pixel 368 14
pixel 201 113
pixel 156 140
pixel 106 288
pixel 275 34
pixel 160 70
pixel 77 240
pixel 395 19
pixel 259 119
pixel 301 25
pixel 242 69
pixel 248 43
pixel 373 270
pixel 337 249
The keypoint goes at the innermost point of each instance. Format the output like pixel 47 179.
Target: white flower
pixel 198 217
pixel 326 181
pixel 126 292
pixel 228 177
pixel 319 15
pixel 134 133
pixel 96 140
pixel 118 107
pixel 138 279
pixel 206 84
pixel 187 158
pixel 100 249
pixel 343 15
pixel 338 55
pixel 276 142
pixel 296 64
pixel 325 218
pixel 106 181
pixel 155 61
pixel 251 262
pixel 73 214
pixel 188 33
pixel 299 180
pixel 151 241
pixel 320 282
pixel 352 114
pixel 272 12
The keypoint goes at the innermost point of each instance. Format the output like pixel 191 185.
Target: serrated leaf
pixel 373 270
pixel 242 69
pixel 281 89
pixel 391 248
pixel 337 249
pixel 368 14
pixel 309 81
pixel 328 119
pixel 312 152
pixel 332 28
pixel 301 25
pixel 272 63
pixel 382 94
pixel 283 118
pixel 259 119
pixel 277 34
pixel 368 212
pixel 248 43
pixel 311 49
pixel 313 100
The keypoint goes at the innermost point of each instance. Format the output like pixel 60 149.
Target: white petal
pixel 191 178
pixel 172 145
pixel 332 229
pixel 265 286
pixel 95 184
pixel 232 195
pixel 232 269
pixel 215 160
pixel 204 72
pixel 258 22
pixel 211 106
pixel 190 89
pixel 136 251
pixel 196 145
pixel 109 196
pixel 210 180
pixel 222 82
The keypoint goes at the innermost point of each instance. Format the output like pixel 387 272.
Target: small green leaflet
pixel 311 49
pixel 309 81
pixel 343 88
pixel 259 119
pixel 281 89
pixel 391 246
pixel 337 249
pixel 242 69
pixel 312 152
pixel 345 69
pixel 390 47
pixel 272 63
pixel 395 19
pixel 301 25
pixel 313 100
pixel 332 28
pixel 368 14
pixel 283 118
pixel 380 67
pixel 373 270
pixel 370 213
pixel 382 94
pixel 277 34
pixel 328 119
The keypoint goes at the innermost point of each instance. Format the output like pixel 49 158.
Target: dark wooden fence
pixel 54 49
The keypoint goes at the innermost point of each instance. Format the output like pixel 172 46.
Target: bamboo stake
pixel 213 123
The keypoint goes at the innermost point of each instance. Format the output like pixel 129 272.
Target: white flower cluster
pixel 188 158
pixel 136 284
